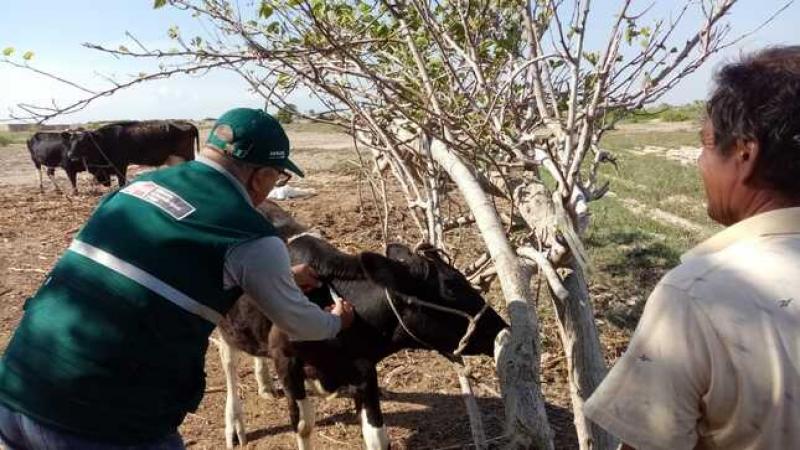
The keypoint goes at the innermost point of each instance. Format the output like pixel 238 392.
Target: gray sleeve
pixel 262 269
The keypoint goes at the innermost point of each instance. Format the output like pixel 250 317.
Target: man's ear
pixel 258 178
pixel 747 153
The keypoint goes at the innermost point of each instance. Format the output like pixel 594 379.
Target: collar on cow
pixel 462 344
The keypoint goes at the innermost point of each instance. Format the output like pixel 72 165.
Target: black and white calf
pixel 49 149
pixel 403 300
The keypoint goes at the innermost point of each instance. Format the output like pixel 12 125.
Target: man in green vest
pixel 110 351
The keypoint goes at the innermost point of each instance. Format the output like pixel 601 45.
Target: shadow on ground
pixel 432 426
pixel 637 267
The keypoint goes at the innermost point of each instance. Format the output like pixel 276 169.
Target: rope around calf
pixel 462 344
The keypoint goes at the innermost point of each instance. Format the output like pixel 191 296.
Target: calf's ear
pixel 386 272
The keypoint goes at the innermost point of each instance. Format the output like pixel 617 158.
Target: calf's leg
pixel 263 378
pixel 122 176
pixel 51 172
pixel 301 408
pixel 73 180
pixel 368 407
pixel 39 171
pixel 234 419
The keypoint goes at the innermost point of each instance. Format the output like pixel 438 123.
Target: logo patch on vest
pixel 161 197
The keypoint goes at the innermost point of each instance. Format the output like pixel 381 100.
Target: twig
pixel 337 441
pixel 462 446
pixel 18 269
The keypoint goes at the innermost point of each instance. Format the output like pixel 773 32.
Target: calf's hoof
pixel 235 434
pixel 375 437
pixel 304 435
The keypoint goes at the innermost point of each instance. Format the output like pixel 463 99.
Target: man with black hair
pixel 715 359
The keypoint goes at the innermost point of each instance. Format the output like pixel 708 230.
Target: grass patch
pixel 630 252
pixel 13 137
pixel 654 180
pixel 311 127
pixel 661 183
pixel 668 113
pixel 668 139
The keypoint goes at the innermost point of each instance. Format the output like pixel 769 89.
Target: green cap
pixel 252 136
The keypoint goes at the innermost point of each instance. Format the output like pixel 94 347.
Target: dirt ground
pixel 422 405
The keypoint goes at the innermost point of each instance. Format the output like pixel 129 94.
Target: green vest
pixel 113 344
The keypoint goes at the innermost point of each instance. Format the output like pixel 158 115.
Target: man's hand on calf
pixel 306 277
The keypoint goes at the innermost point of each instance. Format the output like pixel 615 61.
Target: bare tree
pixel 505 99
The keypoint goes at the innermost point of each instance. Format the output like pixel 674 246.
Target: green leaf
pixel 124 49
pixel 318 6
pixel 173 32
pixel 284 80
pixel 27 55
pixel 159 3
pixel 592 57
pixel 274 28
pixel 8 51
pixel 266 10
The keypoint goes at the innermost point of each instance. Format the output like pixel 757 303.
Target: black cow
pixel 109 149
pixel 50 149
pixel 403 300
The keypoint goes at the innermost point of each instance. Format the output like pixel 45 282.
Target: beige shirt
pixel 715 360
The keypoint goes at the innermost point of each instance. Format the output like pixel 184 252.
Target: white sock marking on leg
pixel 375 438
pixel 305 427
pixel 234 419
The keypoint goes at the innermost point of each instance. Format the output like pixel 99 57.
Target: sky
pixel 55 29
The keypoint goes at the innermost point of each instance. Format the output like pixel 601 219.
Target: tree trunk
pixel 579 337
pixel 585 364
pixel 516 353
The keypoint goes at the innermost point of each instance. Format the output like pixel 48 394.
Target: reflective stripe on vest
pixel 145 279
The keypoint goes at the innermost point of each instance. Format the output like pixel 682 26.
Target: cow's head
pixel 79 146
pixel 82 150
pixel 424 275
